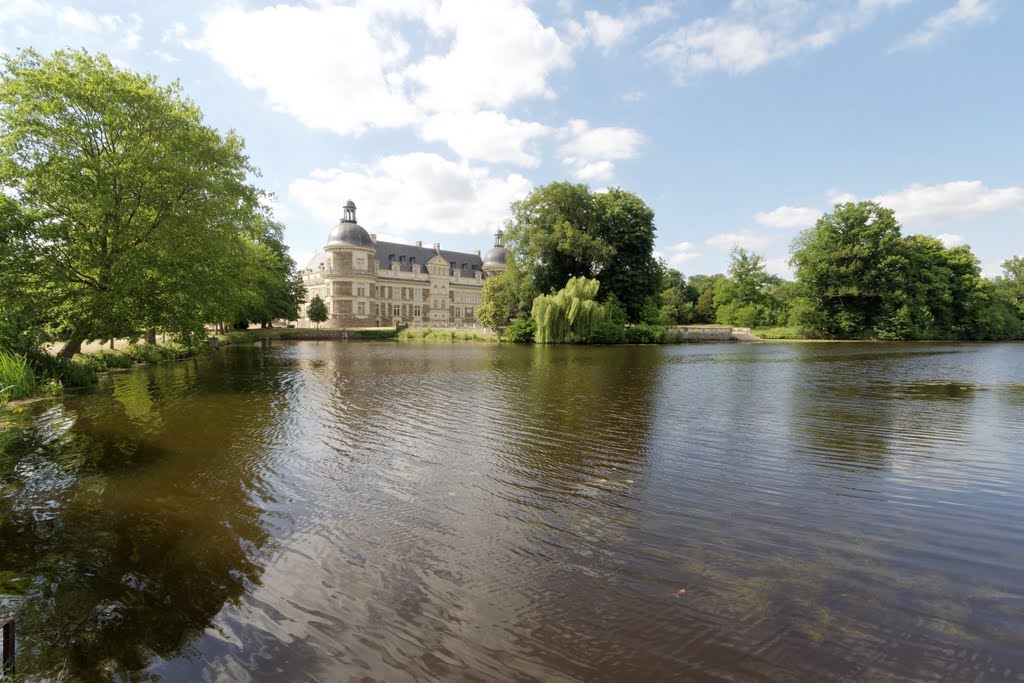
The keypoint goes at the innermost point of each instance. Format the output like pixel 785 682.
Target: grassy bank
pixel 427 334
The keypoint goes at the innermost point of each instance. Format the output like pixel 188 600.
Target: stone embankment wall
pixel 713 334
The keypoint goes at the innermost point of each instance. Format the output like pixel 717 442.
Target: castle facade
pixel 370 283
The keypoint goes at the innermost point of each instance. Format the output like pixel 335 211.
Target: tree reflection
pixel 122 533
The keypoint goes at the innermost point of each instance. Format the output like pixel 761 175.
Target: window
pixel 469 312
pixel 362 308
pixel 458 297
pixel 458 311
pixel 416 311
pixel 361 291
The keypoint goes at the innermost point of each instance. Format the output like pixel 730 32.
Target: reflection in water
pixel 126 525
pixel 380 511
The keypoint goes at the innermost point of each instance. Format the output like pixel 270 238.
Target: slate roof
pixel 404 254
pixel 422 255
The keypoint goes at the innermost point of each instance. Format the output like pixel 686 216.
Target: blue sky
pixel 737 122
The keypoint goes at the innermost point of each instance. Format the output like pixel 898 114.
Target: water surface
pixel 384 511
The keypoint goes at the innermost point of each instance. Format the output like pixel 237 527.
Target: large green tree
pixel 269 286
pixel 851 266
pixel 562 230
pixel 136 211
pixel 626 224
pixel 499 306
pixel 743 298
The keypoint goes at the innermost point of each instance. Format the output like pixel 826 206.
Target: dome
pixel 346 234
pixel 495 258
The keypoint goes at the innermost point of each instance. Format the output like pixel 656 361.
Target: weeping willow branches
pixel 570 314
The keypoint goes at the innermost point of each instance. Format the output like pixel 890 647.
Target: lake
pixel 388 511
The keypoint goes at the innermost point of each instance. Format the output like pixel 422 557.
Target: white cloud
pixel 595 171
pixel 608 31
pixel 487 135
pixel 789 217
pixel 950 240
pixel 963 12
pixel 500 53
pixel 837 197
pixel 348 69
pixel 591 152
pixel 82 20
pixel 633 96
pixel 780 267
pixel 919 203
pixel 331 67
pixel 713 44
pixel 756 33
pixel 745 239
pixel 680 253
pixel 412 193
pixel 71 20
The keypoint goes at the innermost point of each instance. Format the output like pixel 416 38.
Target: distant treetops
pixel 581 265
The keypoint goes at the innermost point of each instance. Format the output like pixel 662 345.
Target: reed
pixel 17 380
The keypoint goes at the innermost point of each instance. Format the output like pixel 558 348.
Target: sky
pixel 739 123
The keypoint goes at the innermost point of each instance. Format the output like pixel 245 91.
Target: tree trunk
pixel 72 346
pixel 111 343
pixel 151 336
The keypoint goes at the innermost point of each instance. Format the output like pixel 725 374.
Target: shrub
pixel 644 333
pixel 241 337
pixel 69 373
pixel 521 331
pixel 114 359
pixel 17 379
pixel 608 332
pixel 80 373
pixel 387 333
pixel 145 353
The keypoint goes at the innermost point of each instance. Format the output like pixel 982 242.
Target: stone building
pixel 371 283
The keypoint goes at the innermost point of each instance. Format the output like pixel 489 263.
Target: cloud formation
pixel 412 194
pixel 591 152
pixel 963 12
pixel 349 69
pixel 788 217
pixel 756 33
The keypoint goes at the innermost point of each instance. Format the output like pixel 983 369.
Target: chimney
pixel 419 243
pixel 373 236
pixel 437 246
pixel 476 252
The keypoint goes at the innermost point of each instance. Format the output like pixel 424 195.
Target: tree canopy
pixel 134 214
pixel 562 230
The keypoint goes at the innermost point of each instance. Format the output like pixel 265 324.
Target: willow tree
pixel 571 314
pixel 135 209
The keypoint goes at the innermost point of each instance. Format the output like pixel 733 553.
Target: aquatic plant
pixel 17 380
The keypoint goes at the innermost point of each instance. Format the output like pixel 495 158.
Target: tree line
pixel 123 213
pixel 856 277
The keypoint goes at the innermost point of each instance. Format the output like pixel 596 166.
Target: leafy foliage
pixel 17 380
pixel 499 303
pixel 136 214
pixel 570 314
pixel 317 311
pixel 521 331
pixel 562 231
pixel 743 297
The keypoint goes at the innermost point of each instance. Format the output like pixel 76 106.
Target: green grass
pixel 428 334
pixel 17 379
pixel 779 333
